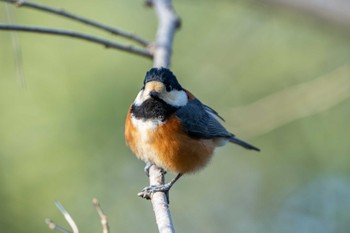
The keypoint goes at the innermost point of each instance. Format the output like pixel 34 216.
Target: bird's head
pixel 160 84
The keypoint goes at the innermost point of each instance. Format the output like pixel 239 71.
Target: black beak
pixel 154 94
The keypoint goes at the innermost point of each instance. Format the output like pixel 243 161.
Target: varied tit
pixel 169 127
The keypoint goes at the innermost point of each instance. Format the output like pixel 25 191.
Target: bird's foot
pixel 148 166
pixel 147 192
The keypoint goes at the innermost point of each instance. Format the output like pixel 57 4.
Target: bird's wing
pixel 206 107
pixel 198 121
pixel 212 111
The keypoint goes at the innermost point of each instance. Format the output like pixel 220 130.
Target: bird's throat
pixel 153 109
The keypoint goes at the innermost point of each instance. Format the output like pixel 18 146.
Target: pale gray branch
pixel 67 216
pixel 103 217
pixel 80 19
pixel 168 22
pixel 78 35
pixel 69 219
pixel 160 202
pixel 53 226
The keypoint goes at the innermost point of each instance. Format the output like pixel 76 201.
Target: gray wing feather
pixel 212 111
pixel 197 122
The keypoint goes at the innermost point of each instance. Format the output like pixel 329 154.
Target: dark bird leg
pixel 148 191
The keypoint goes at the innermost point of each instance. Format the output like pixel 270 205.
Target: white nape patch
pixel 175 98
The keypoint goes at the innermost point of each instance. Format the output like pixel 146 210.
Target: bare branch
pixel 69 219
pixel 82 36
pixel 67 216
pixel 80 19
pixel 168 22
pixel 103 217
pixel 160 202
pixel 54 226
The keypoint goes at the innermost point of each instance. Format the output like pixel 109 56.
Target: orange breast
pixel 167 146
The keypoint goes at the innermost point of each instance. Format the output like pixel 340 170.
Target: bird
pixel 167 126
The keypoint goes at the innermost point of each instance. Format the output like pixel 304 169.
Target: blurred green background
pixel 281 80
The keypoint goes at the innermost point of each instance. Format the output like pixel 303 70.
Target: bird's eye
pixel 169 88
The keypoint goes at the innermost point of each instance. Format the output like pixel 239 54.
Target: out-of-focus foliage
pixel 61 137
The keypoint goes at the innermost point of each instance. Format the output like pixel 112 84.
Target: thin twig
pixel 80 19
pixel 16 45
pixel 103 217
pixel 53 226
pixel 67 216
pixel 68 33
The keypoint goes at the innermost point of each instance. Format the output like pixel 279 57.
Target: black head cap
pixel 165 76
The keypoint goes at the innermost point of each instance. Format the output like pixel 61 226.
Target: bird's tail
pixel 243 144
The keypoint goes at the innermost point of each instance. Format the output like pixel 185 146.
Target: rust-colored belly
pixel 167 146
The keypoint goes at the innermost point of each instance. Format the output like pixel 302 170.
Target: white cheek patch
pixel 175 98
pixel 140 98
